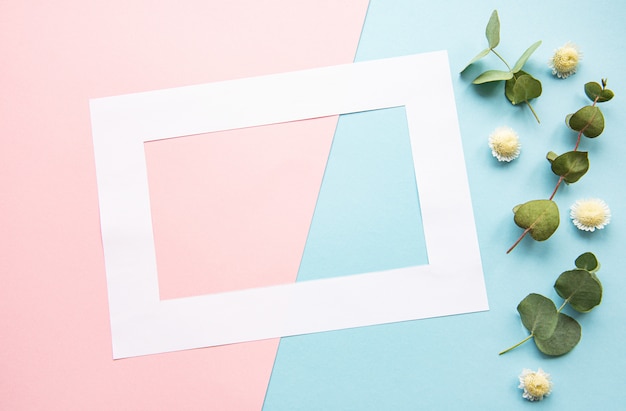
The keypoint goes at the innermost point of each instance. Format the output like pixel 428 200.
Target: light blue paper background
pixel 452 363
pixel 367 217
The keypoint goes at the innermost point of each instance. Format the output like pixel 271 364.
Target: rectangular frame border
pixel 452 282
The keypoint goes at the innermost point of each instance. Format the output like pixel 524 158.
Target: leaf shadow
pixel 483 90
pixel 489 90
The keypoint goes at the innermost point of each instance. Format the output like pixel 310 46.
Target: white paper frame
pixel 451 283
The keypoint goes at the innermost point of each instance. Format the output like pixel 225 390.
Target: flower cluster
pixel 590 214
pixel 565 60
pixel 536 384
pixel 504 144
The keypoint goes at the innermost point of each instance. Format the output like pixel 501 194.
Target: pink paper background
pixel 226 215
pixel 56 349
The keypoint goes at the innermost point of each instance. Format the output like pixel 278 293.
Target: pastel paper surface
pixel 142 324
pixel 367 216
pixel 228 216
pixel 434 364
pixel 56 336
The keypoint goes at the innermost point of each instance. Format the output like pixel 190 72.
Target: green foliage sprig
pixel 540 218
pixel 520 87
pixel 556 333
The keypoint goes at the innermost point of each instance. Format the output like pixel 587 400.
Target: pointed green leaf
pixel 588 261
pixel 538 315
pixel 589 120
pixel 571 165
pixel 476 58
pixel 565 337
pixel 521 88
pixel 581 289
pixel 595 91
pixel 524 58
pixel 492 32
pixel 541 217
pixel 492 75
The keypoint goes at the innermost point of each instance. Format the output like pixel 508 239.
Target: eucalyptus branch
pixel 556 333
pixel 500 57
pixel 519 87
pixel 578 139
pixel 540 218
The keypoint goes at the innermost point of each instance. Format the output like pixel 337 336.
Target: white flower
pixel 565 60
pixel 589 214
pixel 536 385
pixel 504 144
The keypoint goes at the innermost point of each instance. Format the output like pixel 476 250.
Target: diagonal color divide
pixel 451 283
pixel 367 215
pixel 232 209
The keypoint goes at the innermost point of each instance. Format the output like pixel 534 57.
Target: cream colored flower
pixel 504 144
pixel 589 214
pixel 565 60
pixel 536 385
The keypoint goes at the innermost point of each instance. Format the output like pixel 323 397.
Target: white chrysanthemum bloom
pixel 565 60
pixel 504 144
pixel 536 385
pixel 589 214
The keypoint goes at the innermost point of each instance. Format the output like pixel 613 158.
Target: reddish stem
pixel 557 187
pixel 518 240
pixel 580 134
pixel 558 184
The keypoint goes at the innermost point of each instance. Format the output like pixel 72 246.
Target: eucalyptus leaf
pixel 568 118
pixel 541 217
pixel 476 58
pixel 492 32
pixel 538 315
pixel 588 119
pixel 595 91
pixel 524 58
pixel 522 87
pixel 571 165
pixel 492 75
pixel 551 156
pixel 580 288
pixel 587 261
pixel 565 337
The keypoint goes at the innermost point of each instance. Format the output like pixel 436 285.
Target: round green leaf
pixel 538 315
pixel 492 75
pixel 524 58
pixel 541 217
pixel 580 288
pixel 492 32
pixel 521 88
pixel 509 84
pixel 567 119
pixel 565 337
pixel 571 165
pixel 595 91
pixel 587 261
pixel 588 119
